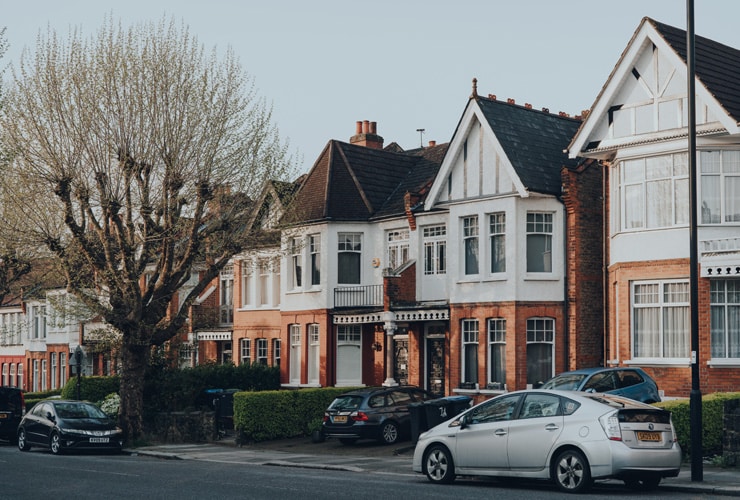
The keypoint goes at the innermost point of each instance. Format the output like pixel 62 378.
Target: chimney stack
pixel 366 135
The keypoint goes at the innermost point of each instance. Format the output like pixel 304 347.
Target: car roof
pixel 371 390
pixel 587 396
pixel 588 371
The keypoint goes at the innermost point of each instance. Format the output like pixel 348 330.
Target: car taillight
pixel 610 424
pixel 359 416
pixel 326 417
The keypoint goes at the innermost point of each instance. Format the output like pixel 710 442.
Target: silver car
pixel 569 437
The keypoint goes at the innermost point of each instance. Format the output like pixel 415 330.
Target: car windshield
pixel 78 410
pixel 565 382
pixel 347 402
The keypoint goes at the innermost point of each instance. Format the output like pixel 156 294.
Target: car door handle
pixel 551 427
pixel 500 432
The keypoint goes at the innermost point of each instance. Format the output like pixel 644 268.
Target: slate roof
pixel 716 65
pixel 356 183
pixel 533 141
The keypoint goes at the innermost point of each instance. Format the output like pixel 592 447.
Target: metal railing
pixel 358 296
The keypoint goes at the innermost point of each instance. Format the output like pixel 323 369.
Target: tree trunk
pixel 134 361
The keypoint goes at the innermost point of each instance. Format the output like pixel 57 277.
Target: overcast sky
pixel 405 64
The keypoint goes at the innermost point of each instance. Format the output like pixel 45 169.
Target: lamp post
pixel 78 363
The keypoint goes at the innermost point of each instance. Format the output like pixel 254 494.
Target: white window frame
pixel 663 298
pixel 314 250
pixel 296 263
pixel 263 294
pixel 54 371
pixel 13 380
pixel 497 341
pixel 62 369
pixel 397 249
pixel 247 279
pixel 349 244
pixel 294 334
pixel 314 353
pixel 725 320
pixel 262 351
pixel 497 239
pixel 435 249
pixel 469 336
pixel 470 245
pixel 541 331
pixel 653 192
pixel 276 352
pixel 44 373
pixel 226 295
pixel 723 167
pixel 245 351
pixel 540 226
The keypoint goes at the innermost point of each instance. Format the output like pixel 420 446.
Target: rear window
pixel 655 416
pixel 349 402
pixel 564 382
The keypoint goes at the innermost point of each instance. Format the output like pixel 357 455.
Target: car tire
pixel 646 483
pixel 55 443
pixel 348 440
pixel 21 441
pixel 438 465
pixel 389 432
pixel 571 472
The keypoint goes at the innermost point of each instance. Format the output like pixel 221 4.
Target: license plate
pixel 99 440
pixel 340 419
pixel 648 436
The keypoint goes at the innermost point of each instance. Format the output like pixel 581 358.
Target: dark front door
pixel 435 375
pixel 401 371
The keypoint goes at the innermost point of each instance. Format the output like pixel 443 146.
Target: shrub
pixel 93 388
pixel 712 417
pixel 262 416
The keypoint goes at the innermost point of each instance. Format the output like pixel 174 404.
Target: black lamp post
pixel 78 363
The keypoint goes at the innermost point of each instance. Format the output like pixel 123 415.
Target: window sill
pixel 474 392
pixel 677 362
pixel 724 363
pixel 541 277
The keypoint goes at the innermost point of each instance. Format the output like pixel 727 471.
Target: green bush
pixel 262 416
pixel 712 416
pixel 93 388
pixel 176 389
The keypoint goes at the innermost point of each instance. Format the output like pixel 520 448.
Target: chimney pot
pixel 366 126
pixel 373 127
pixel 432 144
pixel 358 127
pixel 510 101
pixel 527 105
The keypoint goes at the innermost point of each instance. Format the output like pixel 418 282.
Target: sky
pixel 323 65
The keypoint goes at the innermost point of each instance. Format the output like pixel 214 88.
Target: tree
pixel 135 155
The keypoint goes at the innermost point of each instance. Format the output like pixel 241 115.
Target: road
pixel 38 474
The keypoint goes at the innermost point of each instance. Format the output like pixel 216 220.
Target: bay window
pixel 660 319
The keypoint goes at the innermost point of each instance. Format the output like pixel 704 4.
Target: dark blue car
pixel 632 383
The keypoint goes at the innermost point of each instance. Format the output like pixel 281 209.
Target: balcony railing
pixel 212 316
pixel 358 296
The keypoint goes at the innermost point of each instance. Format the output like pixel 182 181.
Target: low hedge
pixel 262 416
pixel 712 417
pixel 92 388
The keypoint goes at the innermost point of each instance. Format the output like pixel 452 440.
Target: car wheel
pixel 348 440
pixel 22 442
pixel 647 483
pixel 438 465
pixel 389 433
pixel 55 443
pixel 571 472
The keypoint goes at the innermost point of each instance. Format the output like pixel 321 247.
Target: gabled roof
pixel 532 140
pixel 716 67
pixel 357 183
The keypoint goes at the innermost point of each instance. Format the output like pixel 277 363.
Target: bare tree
pixel 135 155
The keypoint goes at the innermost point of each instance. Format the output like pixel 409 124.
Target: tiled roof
pixel 716 65
pixel 533 141
pixel 354 183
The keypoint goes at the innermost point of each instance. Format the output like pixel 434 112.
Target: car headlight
pixel 85 432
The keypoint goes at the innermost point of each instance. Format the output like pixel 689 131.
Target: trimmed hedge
pixel 712 416
pixel 262 416
pixel 92 388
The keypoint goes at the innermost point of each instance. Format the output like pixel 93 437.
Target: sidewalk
pixel 377 458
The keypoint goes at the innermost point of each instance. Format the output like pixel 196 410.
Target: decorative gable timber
pixel 644 98
pixel 508 144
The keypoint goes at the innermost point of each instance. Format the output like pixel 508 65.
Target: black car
pixel 12 409
pixel 62 425
pixel 380 413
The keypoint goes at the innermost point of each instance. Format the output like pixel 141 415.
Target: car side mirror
pixel 49 416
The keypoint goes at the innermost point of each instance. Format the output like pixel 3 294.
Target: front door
pixel 401 371
pixel 435 359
